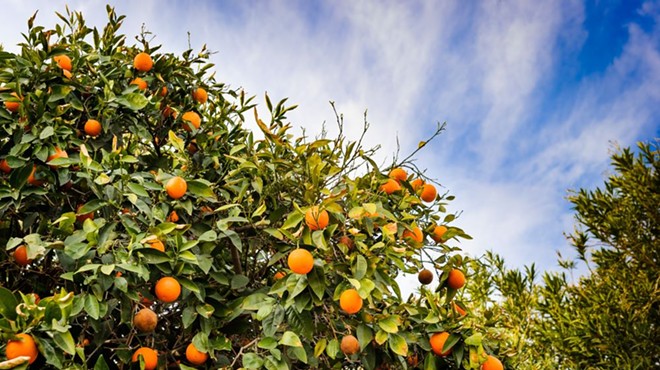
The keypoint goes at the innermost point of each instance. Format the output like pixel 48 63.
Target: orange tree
pixel 145 226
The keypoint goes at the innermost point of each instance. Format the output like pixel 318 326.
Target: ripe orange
pixel 456 279
pixel 58 153
pixel 145 320
pixel 21 257
pixel 163 91
pixel 425 277
pixel 149 355
pixel 191 118
pixel 438 232
pixel 200 95
pixel 398 174
pixel 349 345
pixel 315 219
pixel 92 127
pixel 173 217
pixel 458 309
pixel 492 363
pixel 428 193
pixel 438 341
pixel 195 356
pixel 157 244
pixel 416 236
pixel 63 61
pixel 279 275
pixel 417 184
pixel 350 301
pixel 24 346
pixel 347 241
pixel 12 106
pixel 176 187
pixel 300 261
pixel 4 166
pixel 390 186
pixel 32 180
pixel 143 62
pixel 168 111
pixel 141 84
pixel 168 289
pixel 85 216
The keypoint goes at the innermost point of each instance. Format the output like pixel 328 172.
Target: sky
pixel 536 94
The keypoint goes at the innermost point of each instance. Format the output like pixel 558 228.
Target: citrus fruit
pixel 141 84
pixel 428 193
pixel 425 277
pixel 4 166
pixel 390 186
pixel 438 232
pixel 21 257
pixel 456 279
pixel 349 345
pixel 315 219
pixel 58 153
pixel 23 346
pixel 416 236
pixel 492 363
pixel 12 106
pixel 149 356
pixel 458 309
pixel 279 275
pixel 300 261
pixel 143 62
pixel 200 95
pixel 173 217
pixel 145 320
pixel 350 301
pixel 32 180
pixel 191 118
pixel 157 244
pixel 438 341
pixel 398 174
pixel 92 127
pixel 167 289
pixel 417 184
pixel 347 241
pixel 176 187
pixel 63 61
pixel 195 356
pixel 67 74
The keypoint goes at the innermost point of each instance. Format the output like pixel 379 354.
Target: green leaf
pixel 365 335
pixel 252 360
pixel 201 188
pixel 267 343
pixel 360 268
pixel 8 303
pixel 290 339
pixel 332 349
pixel 134 101
pixel 473 340
pixel 381 337
pixel 398 345
pixel 320 347
pixel 65 342
pixel 91 206
pixel 390 324
pixel 239 281
pixel 138 189
pixel 46 132
pixel 292 220
pixel 92 306
pixel 101 364
pixel 209 236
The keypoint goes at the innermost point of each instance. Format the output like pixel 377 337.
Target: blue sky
pixel 535 93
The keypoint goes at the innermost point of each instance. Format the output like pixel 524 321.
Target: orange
pixel 157 244
pixel 350 345
pixel 168 289
pixel 176 187
pixel 195 356
pixel 12 106
pixel 458 309
pixel 149 356
pixel 425 277
pixel 191 118
pixel 300 261
pixel 316 220
pixel 456 279
pixel 67 74
pixel 438 232
pixel 59 153
pixel 350 301
pixel 173 217
pixel 32 180
pixel 84 216
pixel 143 62
pixel 428 193
pixel 4 166
pixel 92 127
pixel 167 112
pixel 416 236
pixel 24 346
pixel 348 242
pixel 390 186
pixel 145 320
pixel 279 275
pixel 63 61
pixel 21 257
pixel 200 95
pixel 438 341
pixel 492 363
pixel 141 84
pixel 163 91
pixel 398 174
pixel 416 184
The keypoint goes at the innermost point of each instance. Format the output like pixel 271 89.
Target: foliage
pixel 101 229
